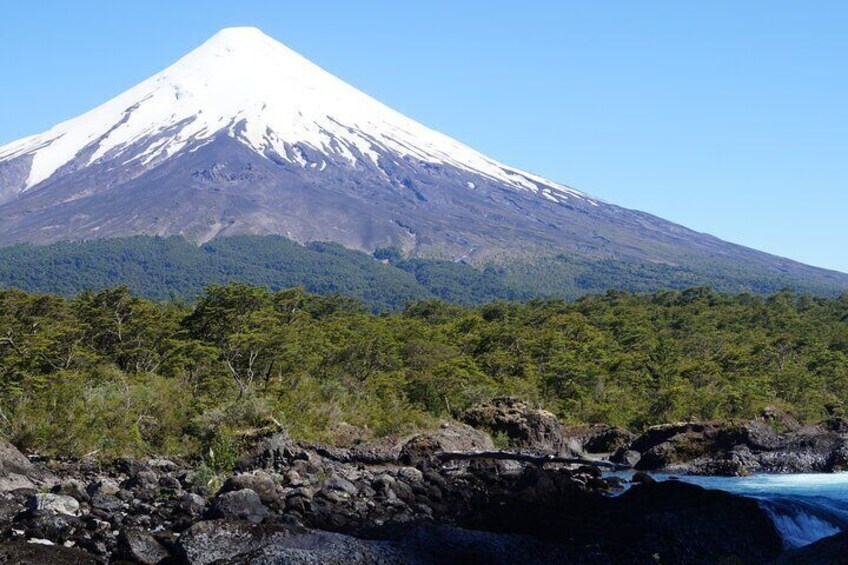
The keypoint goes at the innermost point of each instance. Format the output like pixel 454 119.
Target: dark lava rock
pixel 48 525
pixel 325 548
pixel 642 477
pixel 683 523
pixel 106 502
pixel 524 426
pixel 341 484
pixel 600 438
pixel 738 449
pixel 755 435
pixel 8 510
pixel 656 435
pixel 242 504
pixel 145 479
pixel 130 466
pixel 22 553
pixel 624 456
pixel 828 551
pixel 276 451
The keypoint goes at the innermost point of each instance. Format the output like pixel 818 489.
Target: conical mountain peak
pixel 245 136
pixel 244 84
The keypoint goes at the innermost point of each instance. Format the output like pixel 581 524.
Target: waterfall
pixel 802 521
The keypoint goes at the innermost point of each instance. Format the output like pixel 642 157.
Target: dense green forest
pixel 110 373
pixel 173 268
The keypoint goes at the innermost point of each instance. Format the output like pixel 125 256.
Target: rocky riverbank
pixel 388 502
pixel 298 503
pixel 773 443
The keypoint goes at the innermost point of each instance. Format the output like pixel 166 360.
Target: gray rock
pixel 193 504
pixel 55 503
pixel 383 482
pixel 13 461
pixel 293 479
pixel 449 437
pixel 163 465
pixel 14 481
pixel 72 487
pixel 140 547
pixel 259 482
pixel 106 502
pixel 105 486
pixel 341 484
pixel 410 474
pixel 210 541
pixel 144 479
pixel 242 504
pixel 326 548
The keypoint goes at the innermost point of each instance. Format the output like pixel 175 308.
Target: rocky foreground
pixel 403 501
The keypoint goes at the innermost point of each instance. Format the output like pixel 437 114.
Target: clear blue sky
pixel 730 117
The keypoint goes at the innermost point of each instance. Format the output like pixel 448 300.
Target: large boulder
pixel 656 435
pixel 653 522
pixel 522 425
pixel 312 548
pixel 683 523
pixel 221 540
pixel 13 461
pixel 260 482
pixel 241 504
pixel 17 472
pixel 449 437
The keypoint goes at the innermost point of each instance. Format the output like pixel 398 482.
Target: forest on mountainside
pixel 111 373
pixel 176 269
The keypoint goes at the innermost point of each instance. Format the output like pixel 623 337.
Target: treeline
pixel 175 269
pixel 111 373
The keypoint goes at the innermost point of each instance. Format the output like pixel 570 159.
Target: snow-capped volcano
pixel 260 93
pixel 244 136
